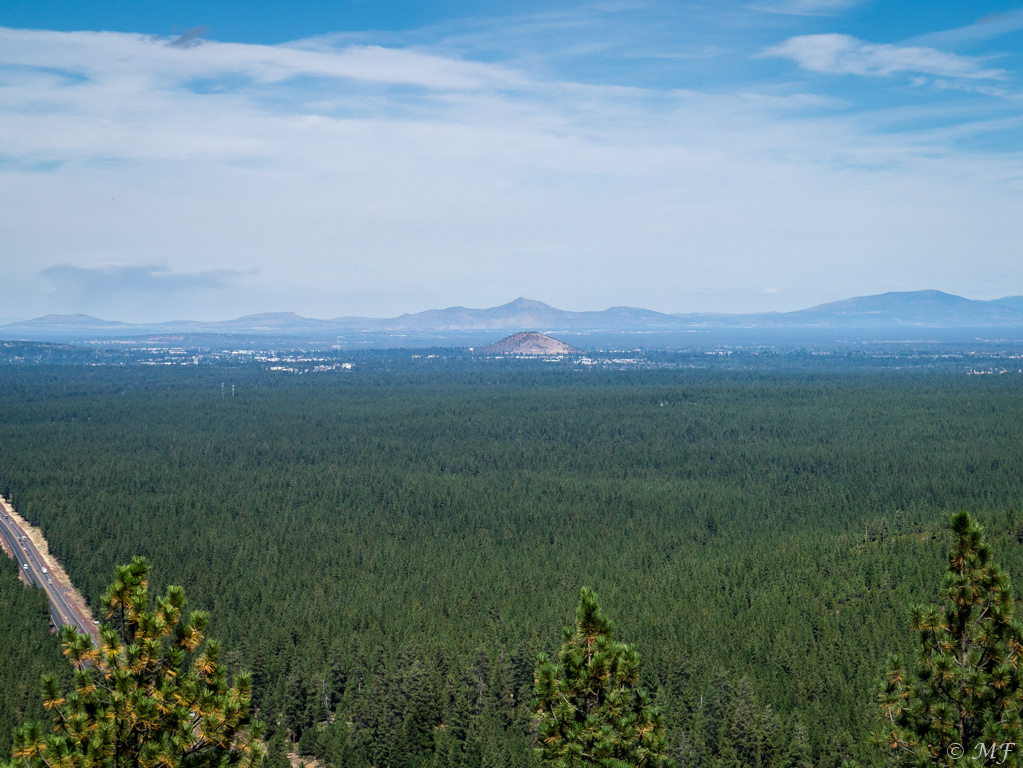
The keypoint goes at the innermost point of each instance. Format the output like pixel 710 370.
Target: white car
pixel 25 566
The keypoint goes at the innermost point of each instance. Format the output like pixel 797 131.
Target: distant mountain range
pixel 905 310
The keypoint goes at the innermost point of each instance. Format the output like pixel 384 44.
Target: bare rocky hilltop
pixel 528 343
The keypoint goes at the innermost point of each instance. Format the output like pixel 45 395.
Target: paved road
pixel 25 552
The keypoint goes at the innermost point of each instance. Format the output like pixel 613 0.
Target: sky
pixel 203 160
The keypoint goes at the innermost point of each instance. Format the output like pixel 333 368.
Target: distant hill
pixel 515 315
pixel 80 321
pixel 932 309
pixel 528 343
pixel 270 321
pixel 909 309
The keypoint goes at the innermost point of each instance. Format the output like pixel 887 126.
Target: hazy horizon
pixel 918 296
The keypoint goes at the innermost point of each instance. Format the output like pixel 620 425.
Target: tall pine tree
pixel 154 694
pixel 589 708
pixel 965 690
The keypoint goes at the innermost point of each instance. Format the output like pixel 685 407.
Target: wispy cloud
pixel 135 279
pixel 806 7
pixel 98 54
pixel 993 25
pixel 189 39
pixel 845 55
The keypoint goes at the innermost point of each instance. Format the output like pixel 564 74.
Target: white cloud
pixel 845 55
pixel 371 180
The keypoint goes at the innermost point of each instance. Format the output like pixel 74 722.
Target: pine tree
pixel 296 705
pixel 744 733
pixel 966 687
pixel 589 708
pixel 152 695
pixel 259 676
pixel 798 754
pixel 717 705
pixel 415 706
pixel 339 671
pixel 277 751
pixel 773 744
pixel 310 745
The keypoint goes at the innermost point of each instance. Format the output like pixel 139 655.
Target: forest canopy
pixel 389 553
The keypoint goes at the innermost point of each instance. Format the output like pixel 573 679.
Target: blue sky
pixel 171 160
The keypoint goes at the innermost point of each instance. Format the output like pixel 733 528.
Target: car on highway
pixel 44 569
pixel 25 566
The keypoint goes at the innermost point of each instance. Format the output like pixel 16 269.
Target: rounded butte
pixel 528 343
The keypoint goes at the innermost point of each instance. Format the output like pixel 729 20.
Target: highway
pixel 61 612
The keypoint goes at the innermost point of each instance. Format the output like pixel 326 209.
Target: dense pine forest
pixel 388 552
pixel 27 650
